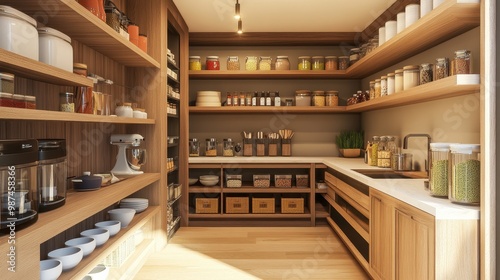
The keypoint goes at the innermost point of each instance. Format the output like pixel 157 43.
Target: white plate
pixel 134 199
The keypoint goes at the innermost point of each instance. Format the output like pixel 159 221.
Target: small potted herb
pixel 350 143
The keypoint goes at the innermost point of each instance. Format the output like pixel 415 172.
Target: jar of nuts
pixel 441 68
pixel 251 63
pixel 265 63
pixel 233 63
pixel 462 62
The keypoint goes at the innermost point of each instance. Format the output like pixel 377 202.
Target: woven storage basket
pixel 207 205
pixel 263 205
pixel 292 205
pixel 237 205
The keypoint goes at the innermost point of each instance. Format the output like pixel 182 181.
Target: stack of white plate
pixel 139 204
pixel 208 98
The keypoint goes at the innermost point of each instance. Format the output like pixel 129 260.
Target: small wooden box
pixel 237 205
pixel 292 205
pixel 207 205
pixel 263 205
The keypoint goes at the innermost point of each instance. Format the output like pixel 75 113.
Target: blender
pixel 52 174
pixel 130 157
pixel 18 164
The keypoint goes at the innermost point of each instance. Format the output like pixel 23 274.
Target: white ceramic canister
pixel 401 22
pixel 381 35
pixel 18 32
pixel 425 7
pixel 55 48
pixel 391 28
pixel 412 14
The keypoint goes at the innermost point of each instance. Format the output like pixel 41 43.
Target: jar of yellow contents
pixel 304 63
pixel 194 63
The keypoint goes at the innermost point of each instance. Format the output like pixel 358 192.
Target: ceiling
pixel 282 15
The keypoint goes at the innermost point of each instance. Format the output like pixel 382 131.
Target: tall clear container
pixel 194 147
pixel 373 151
pixel 383 153
pixel 211 147
pixel 465 181
pixel 439 169
pixel 228 148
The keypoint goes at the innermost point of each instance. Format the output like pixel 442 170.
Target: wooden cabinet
pixel 381 237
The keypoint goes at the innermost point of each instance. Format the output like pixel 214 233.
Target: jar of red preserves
pixel 212 63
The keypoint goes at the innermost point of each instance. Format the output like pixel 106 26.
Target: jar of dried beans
pixel 462 62
pixel 465 182
pixel 233 63
pixel 441 68
pixel 425 73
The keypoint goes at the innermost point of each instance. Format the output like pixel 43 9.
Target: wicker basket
pixel 207 205
pixel 237 205
pixel 263 205
pixel 292 205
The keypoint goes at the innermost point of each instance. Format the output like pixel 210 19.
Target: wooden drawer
pixel 292 205
pixel 207 205
pixel 237 205
pixel 354 197
pixel 263 205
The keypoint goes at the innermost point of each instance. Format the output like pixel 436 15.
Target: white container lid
pixel 9 11
pixel 7 76
pixel 51 31
pixel 465 148
pixel 282 56
pixel 441 147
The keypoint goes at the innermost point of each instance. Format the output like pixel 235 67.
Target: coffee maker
pixel 52 174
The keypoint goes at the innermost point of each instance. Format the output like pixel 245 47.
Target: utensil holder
pixel 261 147
pixel 273 147
pixel 248 147
pixel 286 147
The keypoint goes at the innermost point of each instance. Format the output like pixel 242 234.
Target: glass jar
pixel 318 63
pixel 233 63
pixel 303 98
pixel 373 44
pixel 465 182
pixel 282 63
pixel 66 102
pixel 6 100
pixel 378 89
pixel 288 102
pixel 410 76
pixel 439 169
pixel 194 147
pixel 441 68
pixel 462 62
pixel 304 63
pixel 318 98
pixel 391 83
pixel 194 62
pixel 7 83
pixel 212 63
pixel 31 102
pixel 251 63
pixel 124 110
pixel 331 63
pixel 343 62
pixel 391 144
pixel 332 98
pixel 383 153
pixel 372 89
pixel 373 151
pixel 398 80
pixel 353 55
pixel 228 148
pixel 425 73
pixel 383 86
pixel 211 147
pixel 265 63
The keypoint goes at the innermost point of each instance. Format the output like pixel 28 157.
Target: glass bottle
pixel 229 99
pixel 374 149
pixel 269 100
pixel 262 99
pixel 236 99
pixel 277 99
pixel 254 99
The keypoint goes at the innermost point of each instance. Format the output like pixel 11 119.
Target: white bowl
pixel 100 272
pixel 209 183
pixel 209 177
pixel 113 226
pixel 87 244
pixel 101 235
pixel 192 181
pixel 124 215
pixel 50 269
pixel 69 256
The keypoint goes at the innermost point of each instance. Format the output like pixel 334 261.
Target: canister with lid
pixel 124 110
pixel 354 55
pixel 391 83
pixel 228 148
pixel 378 89
pixel 303 98
pixel 318 63
pixel 331 63
pixel 282 63
pixel 463 62
pixel 318 98
pixel 66 102
pixel 398 80
pixel 410 76
pixel 465 182
pixel 6 82
pixel 383 85
pixel 30 101
pixel 55 48
pixel 6 100
pixel 194 62
pixel 19 34
pixel 251 63
pixel 304 63
pixel 373 153
pixel 80 69
pixel 383 153
pixel 401 22
pixel 412 14
pixel 52 174
pixel 332 98
pixel 441 68
pixel 439 172
pixel 343 62
pixel 194 147
pixel 212 62
pixel 426 74
pixel 265 63
pixel 372 89
pixel 233 63
pixel 211 147
pixel 19 101
pixel 391 29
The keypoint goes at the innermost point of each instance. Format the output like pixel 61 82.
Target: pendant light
pixel 240 26
pixel 237 10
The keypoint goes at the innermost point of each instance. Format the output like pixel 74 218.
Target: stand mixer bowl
pixel 136 157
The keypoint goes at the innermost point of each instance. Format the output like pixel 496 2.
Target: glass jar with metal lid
pixel 465 182
pixel 304 63
pixel 194 62
pixel 233 63
pixel 251 63
pixel 66 102
pixel 7 83
pixel 212 62
pixel 332 98
pixel 425 73
pixel 318 98
pixel 441 68
pixel 194 147
pixel 211 147
pixel 411 75
pixel 282 63
pixel 383 153
pixel 265 63
pixel 353 55
pixel 462 62
pixel 228 148
pixel 303 98
pixel 331 63
pixel 343 62
pixel 318 63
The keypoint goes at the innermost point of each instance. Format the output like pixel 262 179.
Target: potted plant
pixel 350 143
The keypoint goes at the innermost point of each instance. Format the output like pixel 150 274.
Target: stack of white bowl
pixel 208 98
pixel 209 180
pixel 139 204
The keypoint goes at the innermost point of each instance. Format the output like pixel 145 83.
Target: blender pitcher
pixel 52 174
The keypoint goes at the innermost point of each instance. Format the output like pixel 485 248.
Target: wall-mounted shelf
pixel 197 189
pixel 265 190
pixel 266 109
pixel 265 74
pixel 276 215
pixel 87 29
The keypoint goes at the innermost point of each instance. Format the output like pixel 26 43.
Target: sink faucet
pixel 405 146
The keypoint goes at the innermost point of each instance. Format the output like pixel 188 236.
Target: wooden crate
pixel 207 205
pixel 292 205
pixel 263 205
pixel 237 205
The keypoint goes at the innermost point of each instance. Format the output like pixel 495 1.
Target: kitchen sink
pixel 391 174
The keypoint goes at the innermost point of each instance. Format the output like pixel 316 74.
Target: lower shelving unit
pixel 134 262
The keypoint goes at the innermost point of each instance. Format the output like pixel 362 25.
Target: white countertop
pixel 410 191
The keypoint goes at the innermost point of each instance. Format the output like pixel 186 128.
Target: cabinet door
pixel 414 246
pixel 381 238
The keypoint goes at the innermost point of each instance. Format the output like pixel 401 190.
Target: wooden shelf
pixel 265 74
pixel 45 115
pixel 251 215
pixel 78 207
pixel 320 211
pixel 33 69
pixel 266 190
pixel 78 23
pixel 320 190
pixel 88 263
pixel 443 88
pixel 266 109
pixel 451 18
pixel 198 189
pixel 134 262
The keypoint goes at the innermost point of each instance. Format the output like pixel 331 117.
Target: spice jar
pixel 398 80
pixel 7 83
pixel 304 63
pixel 343 62
pixel 441 68
pixel 373 150
pixel 80 69
pixel 303 98
pixel 383 86
pixel 6 100
pixel 318 98
pixel 331 63
pixel 439 169
pixel 425 73
pixel 31 102
pixel 462 62
pixel 113 18
pixel 194 147
pixel 233 63
pixel 124 110
pixel 194 62
pixel 211 147
pixel 212 63
pixel 465 182
pixel 410 76
pixel 265 63
pixel 18 101
pixel 378 89
pixel 383 153
pixel 332 98
pixel 353 55
pixel 67 102
pixel 288 102
pixel 251 63
pixel 372 89
pixel 318 63
pixel 228 148
pixel 282 63
pixel 391 83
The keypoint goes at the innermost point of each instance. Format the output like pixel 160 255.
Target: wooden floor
pixel 253 253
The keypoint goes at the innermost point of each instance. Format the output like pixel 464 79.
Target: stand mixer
pixel 130 158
